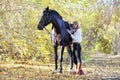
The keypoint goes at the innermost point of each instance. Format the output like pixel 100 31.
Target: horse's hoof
pixel 60 72
pixel 70 71
pixel 54 71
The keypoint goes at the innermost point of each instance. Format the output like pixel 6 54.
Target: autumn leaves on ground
pixel 100 66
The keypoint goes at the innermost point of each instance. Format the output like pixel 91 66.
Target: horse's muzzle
pixel 40 27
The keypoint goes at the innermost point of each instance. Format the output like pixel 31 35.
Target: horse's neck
pixel 59 26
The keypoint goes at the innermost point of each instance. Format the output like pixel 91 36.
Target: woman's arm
pixel 70 34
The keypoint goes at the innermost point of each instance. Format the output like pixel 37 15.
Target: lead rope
pixel 48 31
pixel 49 34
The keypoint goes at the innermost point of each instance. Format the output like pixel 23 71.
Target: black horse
pixel 61 36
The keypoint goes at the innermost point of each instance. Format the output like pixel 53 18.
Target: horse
pixel 61 36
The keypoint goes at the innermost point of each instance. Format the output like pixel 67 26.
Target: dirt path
pixel 105 67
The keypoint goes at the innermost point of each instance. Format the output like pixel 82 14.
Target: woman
pixel 77 38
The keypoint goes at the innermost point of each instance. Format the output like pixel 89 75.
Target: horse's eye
pixel 46 14
pixel 44 18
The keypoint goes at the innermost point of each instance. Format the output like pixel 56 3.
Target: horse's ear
pixel 47 9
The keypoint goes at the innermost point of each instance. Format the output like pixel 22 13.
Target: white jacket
pixel 77 36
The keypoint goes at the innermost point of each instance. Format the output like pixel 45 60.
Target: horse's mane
pixel 55 12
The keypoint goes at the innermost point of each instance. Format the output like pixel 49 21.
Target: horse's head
pixel 45 19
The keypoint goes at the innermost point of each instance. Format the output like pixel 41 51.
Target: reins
pixel 49 33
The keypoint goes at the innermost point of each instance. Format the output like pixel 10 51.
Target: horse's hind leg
pixel 61 58
pixel 71 57
pixel 56 57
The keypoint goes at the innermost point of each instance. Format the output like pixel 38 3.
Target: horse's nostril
pixel 40 27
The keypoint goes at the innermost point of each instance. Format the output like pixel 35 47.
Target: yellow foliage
pixel 19 19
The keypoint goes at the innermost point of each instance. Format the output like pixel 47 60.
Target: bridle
pixel 45 19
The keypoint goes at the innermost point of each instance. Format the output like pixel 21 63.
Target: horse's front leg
pixel 71 56
pixel 61 58
pixel 56 57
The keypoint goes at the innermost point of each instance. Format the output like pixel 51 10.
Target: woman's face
pixel 75 26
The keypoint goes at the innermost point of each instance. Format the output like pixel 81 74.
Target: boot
pixel 79 69
pixel 81 72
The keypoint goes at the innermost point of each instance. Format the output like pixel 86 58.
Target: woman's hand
pixel 68 31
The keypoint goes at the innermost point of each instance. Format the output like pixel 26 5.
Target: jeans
pixel 77 53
